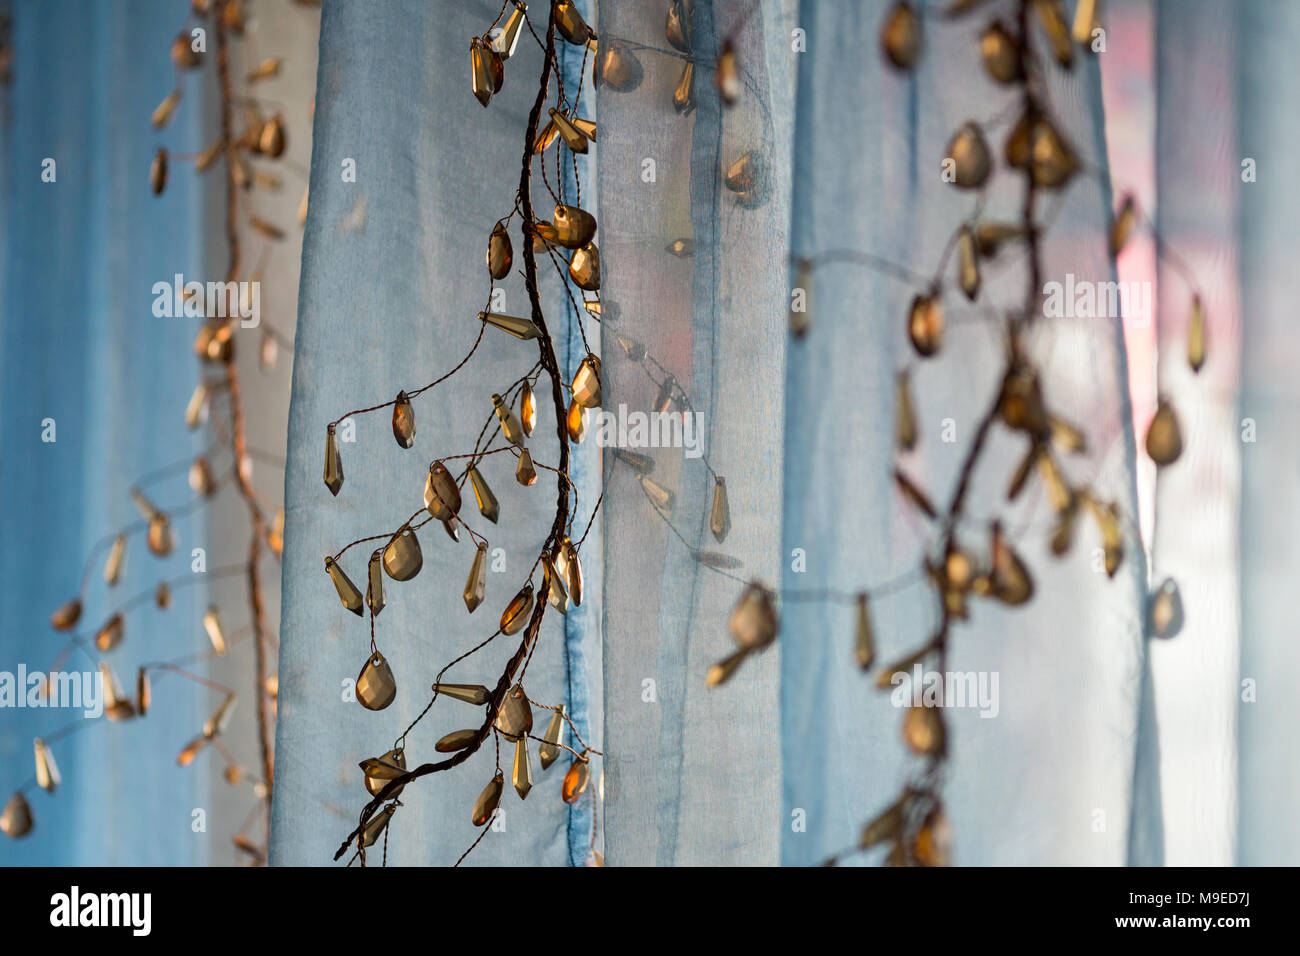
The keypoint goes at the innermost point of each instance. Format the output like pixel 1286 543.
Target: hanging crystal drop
pixel 684 94
pixel 923 730
pixel 67 616
pixel 510 427
pixel 1053 23
pixel 659 496
pixel 377 824
pixel 1164 441
pixel 618 68
pixel 527 409
pixel 584 267
pixel 486 804
pixel 441 494
pixel 904 413
pixel 505 42
pixel 452 528
pixel 196 410
pixel 515 616
pixel 47 771
pixel 525 473
pixel 586 382
pixel 110 635
pixel 584 126
pixel 722 671
pixel 201 478
pixel 116 707
pixel 968 264
pixel 500 253
pixel 864 644
pixel 515 719
pixel 1165 610
pixel 569 566
pixel 1001 53
pixel 402 556
pixel 348 592
pixel 159 537
pixel 333 463
pixel 380 770
pixel 212 624
pixel 219 720
pixel 476 585
pixel 375 687
pixel 475 694
pixel 520 328
pixel 488 505
pixel 900 36
pixel 575 780
pixel 143 692
pixel 970 158
pixel 753 622
pixel 522 773
pixel 575 423
pixel 116 556
pixel 1196 335
pixel 925 325
pixel 1010 579
pixel 1122 227
pixel 481 78
pixel 456 740
pixel 574 227
pixel 573 139
pixel 720 513
pixel 557 594
pixel 375 583
pixel 403 421
pixel 549 750
pixel 16 818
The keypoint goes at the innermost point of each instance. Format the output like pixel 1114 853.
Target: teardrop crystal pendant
pixel 684 94
pixel 525 473
pixel 486 804
pixel 510 427
pixel 1001 53
pixel 481 78
pixel 575 423
pixel 640 463
pixel 333 463
pixel 143 692
pixel 1122 227
pixel 515 719
pixel 1164 437
pixel 568 132
pixel 110 635
pixel 348 592
pixel 452 528
pixel 16 818
pixel 1009 579
pixel 586 382
pixel 522 772
pixel 727 73
pixel 678 27
pixel 377 824
pixel 1053 161
pixel 549 750
pixel 1058 34
pixel 402 556
pixel 1196 335
pixel 116 706
pixel 456 740
pixel 116 557
pixel 575 780
pixel 488 505
pixel 722 671
pixel 570 23
pixel 720 513
pixel 403 421
pixel 584 268
pixel 505 42
pixel 47 771
pixel 1165 610
pixel 753 622
pixel 212 624
pixel 569 566
pixel 500 253
pixel 380 770
pixel 900 36
pixel 520 328
pixel 219 719
pixel 441 494
pixel 618 68
pixel 574 227
pixel 201 478
pixel 376 687
pixel 375 583
pixel 969 155
pixel 527 410
pixel 968 264
pixel 584 126
pixel 933 843
pixel 557 594
pixel 515 616
pixel 1112 534
pixel 475 694
pixel 476 585
pixel 659 496
pixel 923 730
pixel 904 413
pixel 925 325
pixel 159 536
pixel 1085 22
pixel 67 616
pixel 864 643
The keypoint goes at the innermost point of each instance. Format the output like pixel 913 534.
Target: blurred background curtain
pixel 80 345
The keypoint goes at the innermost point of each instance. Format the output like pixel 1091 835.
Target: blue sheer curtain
pixel 80 346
